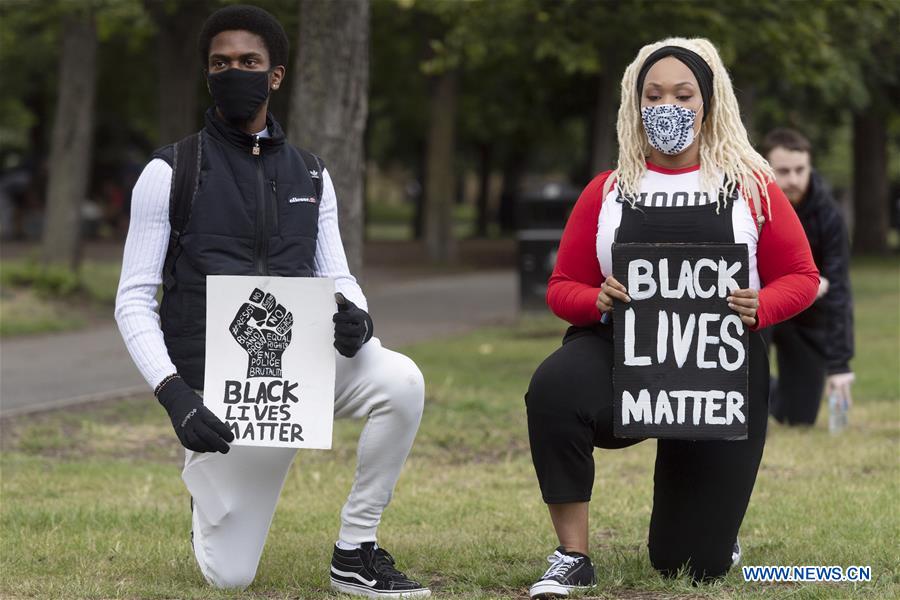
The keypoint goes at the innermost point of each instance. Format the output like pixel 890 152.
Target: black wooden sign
pixel 681 353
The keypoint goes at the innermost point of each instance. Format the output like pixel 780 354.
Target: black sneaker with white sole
pixel 369 571
pixel 569 572
pixel 736 553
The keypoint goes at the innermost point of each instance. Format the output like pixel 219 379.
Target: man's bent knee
pixel 403 386
pixel 228 571
pixel 234 578
pixel 407 391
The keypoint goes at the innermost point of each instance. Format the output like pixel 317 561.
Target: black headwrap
pixel 693 61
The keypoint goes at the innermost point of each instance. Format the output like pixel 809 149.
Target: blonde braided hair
pixel 724 144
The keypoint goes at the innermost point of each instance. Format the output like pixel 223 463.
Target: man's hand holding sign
pixel 269 359
pixel 352 327
pixel 681 319
pixel 197 428
pixel 259 411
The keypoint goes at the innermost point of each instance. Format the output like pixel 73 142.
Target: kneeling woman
pixel 686 174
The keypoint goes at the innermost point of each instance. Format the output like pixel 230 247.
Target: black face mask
pixel 238 94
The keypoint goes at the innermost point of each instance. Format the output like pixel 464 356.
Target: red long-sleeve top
pixel 787 273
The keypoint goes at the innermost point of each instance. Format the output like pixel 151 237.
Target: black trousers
pixel 701 489
pixel 797 393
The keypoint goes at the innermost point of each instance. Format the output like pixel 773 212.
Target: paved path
pixel 51 371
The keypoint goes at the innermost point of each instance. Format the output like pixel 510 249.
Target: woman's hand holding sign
pixel 686 322
pixel 609 290
pixel 745 303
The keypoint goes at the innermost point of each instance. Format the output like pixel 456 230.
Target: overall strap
pixel 754 202
pixel 757 207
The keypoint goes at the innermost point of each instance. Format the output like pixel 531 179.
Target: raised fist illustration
pixel 263 328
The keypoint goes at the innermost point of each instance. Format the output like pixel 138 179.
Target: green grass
pixel 22 312
pixel 34 300
pixel 93 506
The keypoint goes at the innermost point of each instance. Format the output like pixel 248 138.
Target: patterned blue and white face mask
pixel 669 127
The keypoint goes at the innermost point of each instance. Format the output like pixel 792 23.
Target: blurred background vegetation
pixel 470 103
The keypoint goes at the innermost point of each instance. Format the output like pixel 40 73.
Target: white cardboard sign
pixel 270 359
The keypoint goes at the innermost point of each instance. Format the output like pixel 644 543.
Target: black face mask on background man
pixel 238 94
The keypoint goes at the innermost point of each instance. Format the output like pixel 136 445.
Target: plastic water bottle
pixel 838 406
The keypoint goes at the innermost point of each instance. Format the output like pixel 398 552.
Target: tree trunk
pixel 870 184
pixel 178 65
pixel 484 189
pixel 604 134
pixel 330 104
pixel 511 188
pixel 439 184
pixel 421 175
pixel 70 147
pixel 746 96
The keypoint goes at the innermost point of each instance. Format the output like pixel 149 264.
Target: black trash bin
pixel 542 214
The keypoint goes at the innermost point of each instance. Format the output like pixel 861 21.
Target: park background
pixel 452 129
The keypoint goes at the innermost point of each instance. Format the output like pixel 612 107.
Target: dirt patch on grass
pixel 553 331
pixel 134 428
pixel 779 471
pixel 447 453
pixel 621 594
pixel 137 428
pixel 24 312
pixel 630 594
pixel 602 538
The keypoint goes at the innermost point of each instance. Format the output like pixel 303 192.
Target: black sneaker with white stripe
pixel 569 572
pixel 369 571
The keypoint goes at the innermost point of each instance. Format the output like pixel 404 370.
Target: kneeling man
pixel 244 218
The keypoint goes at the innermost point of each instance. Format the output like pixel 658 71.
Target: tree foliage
pixel 537 79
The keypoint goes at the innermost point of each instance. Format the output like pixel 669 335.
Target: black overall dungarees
pixel 701 488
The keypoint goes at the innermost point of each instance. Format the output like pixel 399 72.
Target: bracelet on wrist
pixel 163 383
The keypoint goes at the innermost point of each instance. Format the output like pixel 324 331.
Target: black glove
pixel 197 428
pixel 352 327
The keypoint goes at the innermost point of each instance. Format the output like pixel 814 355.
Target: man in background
pixel 815 347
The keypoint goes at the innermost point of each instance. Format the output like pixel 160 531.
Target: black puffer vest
pixel 251 215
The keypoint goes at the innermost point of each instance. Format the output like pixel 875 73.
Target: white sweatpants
pixel 235 494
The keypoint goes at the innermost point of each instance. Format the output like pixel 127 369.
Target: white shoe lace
pixel 559 565
pixel 736 554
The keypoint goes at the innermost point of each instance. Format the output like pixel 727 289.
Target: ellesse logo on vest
pixel 295 199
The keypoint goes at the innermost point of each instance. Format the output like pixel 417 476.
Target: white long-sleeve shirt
pixel 145 252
